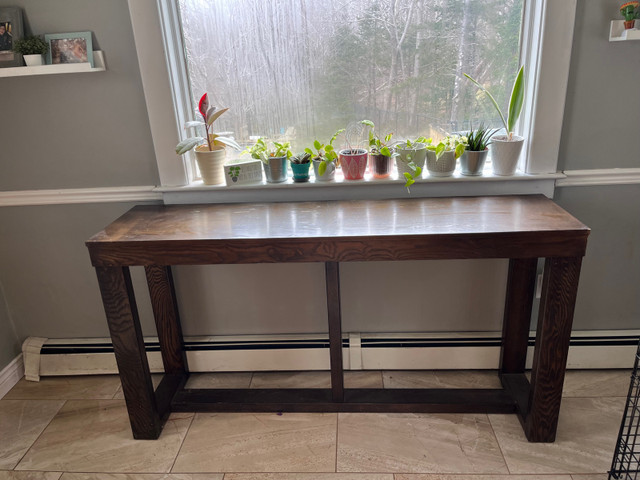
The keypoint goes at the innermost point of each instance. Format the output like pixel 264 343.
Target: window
pixel 544 47
pixel 299 70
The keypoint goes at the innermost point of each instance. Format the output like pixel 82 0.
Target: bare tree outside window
pixel 301 69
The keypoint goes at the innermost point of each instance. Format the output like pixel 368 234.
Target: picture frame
pixel 73 47
pixel 11 30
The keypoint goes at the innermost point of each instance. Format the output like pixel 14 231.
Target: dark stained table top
pixel 458 227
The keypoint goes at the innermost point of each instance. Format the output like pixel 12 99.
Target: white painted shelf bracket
pixel 617 32
pixel 98 61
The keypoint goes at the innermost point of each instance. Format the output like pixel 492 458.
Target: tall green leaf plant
pixel 515 102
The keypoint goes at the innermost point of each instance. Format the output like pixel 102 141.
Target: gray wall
pixel 78 130
pixel 93 131
pixel 601 126
pixel 602 113
pixel 9 345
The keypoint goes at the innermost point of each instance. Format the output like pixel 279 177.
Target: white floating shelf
pixel 617 33
pixel 98 61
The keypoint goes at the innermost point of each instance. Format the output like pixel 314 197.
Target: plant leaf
pixel 228 141
pixel 308 150
pixel 516 101
pixel 459 150
pixel 335 135
pixel 187 144
pixel 368 123
pixel 214 116
pixel 203 105
pixel 317 144
pixel 328 148
pixel 322 168
pixel 493 100
pixel 195 123
pixel 385 151
pixel 439 150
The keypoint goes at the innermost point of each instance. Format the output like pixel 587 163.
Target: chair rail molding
pixel 20 198
pixel 599 176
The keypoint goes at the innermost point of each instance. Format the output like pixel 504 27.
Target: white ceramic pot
pixel 443 166
pixel 418 156
pixel 329 173
pixel 33 60
pixel 505 154
pixel 211 164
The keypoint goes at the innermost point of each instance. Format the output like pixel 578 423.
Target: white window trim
pixel 547 48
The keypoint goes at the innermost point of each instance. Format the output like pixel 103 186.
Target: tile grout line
pixel 182 443
pixel 40 434
pixel 337 424
pixel 504 459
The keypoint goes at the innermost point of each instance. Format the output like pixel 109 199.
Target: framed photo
pixel 69 48
pixel 11 30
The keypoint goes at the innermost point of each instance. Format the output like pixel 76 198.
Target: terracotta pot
pixel 505 154
pixel 443 166
pixel 472 163
pixel 211 164
pixel 380 165
pixel 418 156
pixel 354 163
pixel 629 24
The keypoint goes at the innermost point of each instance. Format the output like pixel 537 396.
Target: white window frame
pixel 547 41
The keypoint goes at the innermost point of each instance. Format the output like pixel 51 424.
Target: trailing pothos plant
pixel 414 144
pixel 209 115
pixel 263 151
pixel 455 143
pixel 377 145
pixel 416 171
pixel 515 102
pixel 325 154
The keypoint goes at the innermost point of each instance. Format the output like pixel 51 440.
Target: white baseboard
pixel 10 375
pixel 588 350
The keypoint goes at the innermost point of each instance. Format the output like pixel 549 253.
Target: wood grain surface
pixel 463 227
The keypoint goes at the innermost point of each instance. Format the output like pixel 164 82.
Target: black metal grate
pixel 626 459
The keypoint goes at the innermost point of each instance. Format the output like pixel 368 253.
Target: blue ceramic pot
pixel 300 172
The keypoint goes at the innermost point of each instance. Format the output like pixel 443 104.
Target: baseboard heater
pixel 589 349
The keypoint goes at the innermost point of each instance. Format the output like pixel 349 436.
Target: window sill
pixel 340 189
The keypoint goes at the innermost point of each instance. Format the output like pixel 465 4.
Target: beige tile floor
pixel 76 428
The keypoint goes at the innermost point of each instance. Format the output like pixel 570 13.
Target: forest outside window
pixel 300 70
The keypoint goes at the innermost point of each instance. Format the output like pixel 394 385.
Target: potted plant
pixel 300 164
pixel 630 11
pixel 442 157
pixel 475 153
pixel 353 160
pixel 325 158
pixel 411 152
pixel 505 149
pixel 274 158
pixel 210 151
pixel 380 152
pixel 32 49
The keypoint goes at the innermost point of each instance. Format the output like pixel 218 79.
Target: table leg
pixel 332 278
pixel 165 312
pixel 553 333
pixel 128 344
pixel 517 314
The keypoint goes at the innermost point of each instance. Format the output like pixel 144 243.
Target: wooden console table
pixel 521 228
